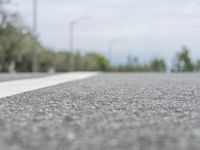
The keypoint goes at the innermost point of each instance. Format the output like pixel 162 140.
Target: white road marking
pixel 10 88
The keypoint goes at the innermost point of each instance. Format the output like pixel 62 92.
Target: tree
pixel 95 62
pixel 15 48
pixel 158 65
pixel 45 60
pixel 10 37
pixel 183 61
pixel 61 61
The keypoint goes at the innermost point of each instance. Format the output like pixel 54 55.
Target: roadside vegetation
pixel 133 65
pixel 16 54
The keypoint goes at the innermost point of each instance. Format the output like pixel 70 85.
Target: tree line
pixel 182 62
pixel 16 54
pixel 133 65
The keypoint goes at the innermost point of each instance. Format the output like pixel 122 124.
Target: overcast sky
pixel 149 28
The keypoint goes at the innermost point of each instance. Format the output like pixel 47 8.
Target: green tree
pixel 10 39
pixel 46 60
pixel 62 61
pixel 183 61
pixel 158 65
pixel 11 36
pixel 95 62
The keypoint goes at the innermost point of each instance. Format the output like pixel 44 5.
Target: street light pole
pixel 71 36
pixel 71 39
pixel 110 48
pixel 71 31
pixel 35 22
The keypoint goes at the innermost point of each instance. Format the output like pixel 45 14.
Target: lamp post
pixel 34 31
pixel 71 39
pixel 71 31
pixel 110 48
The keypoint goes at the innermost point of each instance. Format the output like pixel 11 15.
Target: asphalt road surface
pixel 106 112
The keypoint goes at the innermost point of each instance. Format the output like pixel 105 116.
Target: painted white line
pixel 10 88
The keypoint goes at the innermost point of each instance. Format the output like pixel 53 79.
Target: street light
pixel 110 47
pixel 71 31
pixel 71 38
pixel 35 22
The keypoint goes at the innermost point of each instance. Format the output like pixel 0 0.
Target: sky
pixel 147 28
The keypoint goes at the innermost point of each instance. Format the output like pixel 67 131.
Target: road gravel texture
pixel 106 112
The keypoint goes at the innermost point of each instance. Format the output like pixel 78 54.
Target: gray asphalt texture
pixel 17 76
pixel 106 112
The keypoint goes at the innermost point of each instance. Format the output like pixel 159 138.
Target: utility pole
pixel 35 22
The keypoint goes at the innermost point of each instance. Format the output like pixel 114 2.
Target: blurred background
pixel 92 35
